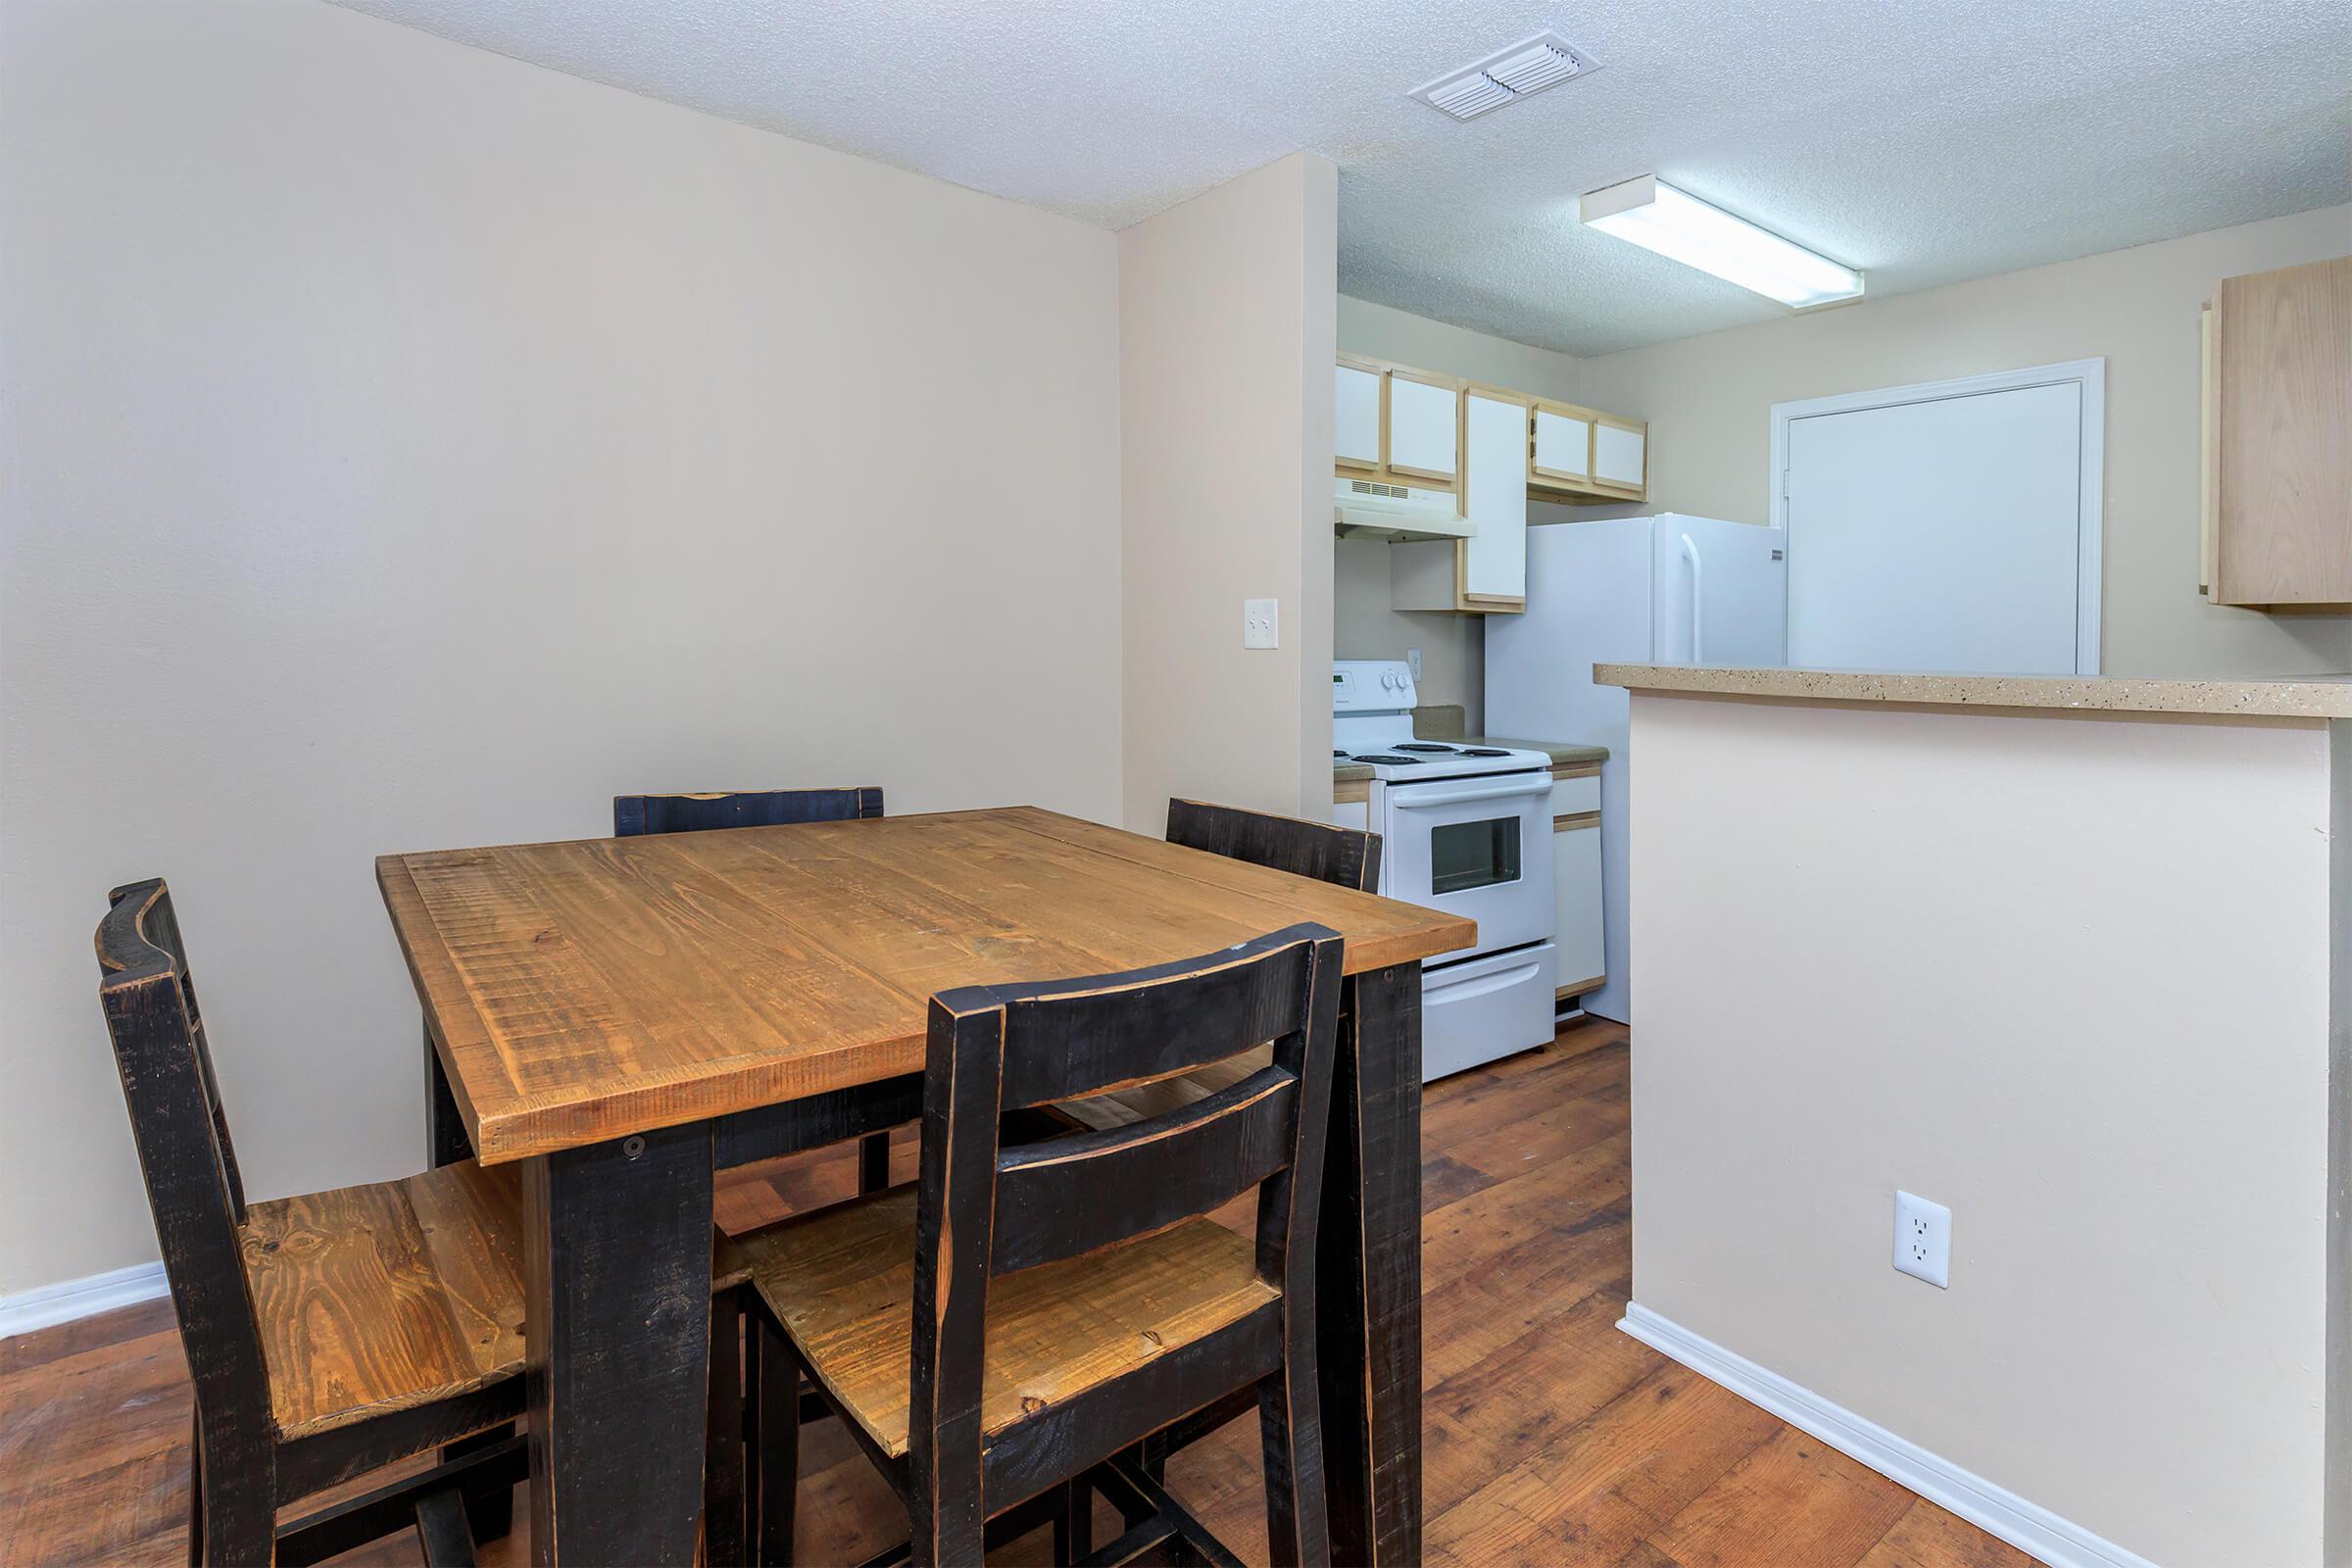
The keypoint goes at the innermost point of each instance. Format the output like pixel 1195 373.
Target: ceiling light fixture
pixel 1679 225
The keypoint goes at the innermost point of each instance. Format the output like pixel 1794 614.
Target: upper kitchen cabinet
pixel 1486 572
pixel 1396 424
pixel 1355 446
pixel 1583 455
pixel 1424 427
pixel 2276 506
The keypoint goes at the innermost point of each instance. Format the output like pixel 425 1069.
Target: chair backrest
pixel 633 814
pixel 1339 855
pixel 984 1210
pixel 190 1165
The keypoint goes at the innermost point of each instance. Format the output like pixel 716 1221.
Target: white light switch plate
pixel 1261 623
pixel 1923 1240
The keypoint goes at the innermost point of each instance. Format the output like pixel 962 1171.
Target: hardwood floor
pixel 1551 1438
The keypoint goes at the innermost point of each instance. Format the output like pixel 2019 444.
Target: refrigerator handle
pixel 1698 601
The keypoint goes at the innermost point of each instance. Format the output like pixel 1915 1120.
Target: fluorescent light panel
pixel 1678 224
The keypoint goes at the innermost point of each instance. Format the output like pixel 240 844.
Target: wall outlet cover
pixel 1412 661
pixel 1923 1239
pixel 1261 623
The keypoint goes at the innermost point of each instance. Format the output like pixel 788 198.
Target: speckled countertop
pixel 2308 696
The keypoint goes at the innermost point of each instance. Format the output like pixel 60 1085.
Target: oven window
pixel 1463 856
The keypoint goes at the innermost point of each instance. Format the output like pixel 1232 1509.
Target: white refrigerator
pixel 1663 589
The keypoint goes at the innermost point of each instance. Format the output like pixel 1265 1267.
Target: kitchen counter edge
pixel 2316 697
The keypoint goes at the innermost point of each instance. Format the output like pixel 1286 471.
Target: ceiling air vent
pixel 1526 67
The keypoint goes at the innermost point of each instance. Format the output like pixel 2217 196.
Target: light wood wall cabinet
pixel 1584 456
pixel 2276 462
pixel 1396 424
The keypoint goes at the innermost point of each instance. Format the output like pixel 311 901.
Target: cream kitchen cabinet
pixel 1486 573
pixel 1424 427
pixel 1351 804
pixel 1395 425
pixel 1585 456
pixel 1576 877
pixel 1356 404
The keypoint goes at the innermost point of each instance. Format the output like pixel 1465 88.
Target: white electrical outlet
pixel 1923 1240
pixel 1261 623
pixel 1412 661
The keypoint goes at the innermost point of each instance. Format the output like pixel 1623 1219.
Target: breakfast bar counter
pixel 2064 956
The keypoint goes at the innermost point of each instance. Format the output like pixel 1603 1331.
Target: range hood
pixel 1367 509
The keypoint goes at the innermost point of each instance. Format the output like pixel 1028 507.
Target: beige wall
pixel 1710 399
pixel 1453 647
pixel 2068 977
pixel 407 447
pixel 1225 311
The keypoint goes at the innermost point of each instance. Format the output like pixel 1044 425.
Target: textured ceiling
pixel 1923 141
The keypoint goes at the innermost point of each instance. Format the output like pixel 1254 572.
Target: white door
pixel 1495 499
pixel 1945 532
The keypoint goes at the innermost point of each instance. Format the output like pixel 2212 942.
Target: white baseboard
pixel 62 1302
pixel 2028 1526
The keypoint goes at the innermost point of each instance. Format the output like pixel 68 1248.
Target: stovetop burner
pixel 1426 746
pixel 1384 757
pixel 1486 751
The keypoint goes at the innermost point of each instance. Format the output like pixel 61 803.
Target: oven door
pixel 1475 846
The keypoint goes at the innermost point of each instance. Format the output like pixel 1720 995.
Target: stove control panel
pixel 1371 686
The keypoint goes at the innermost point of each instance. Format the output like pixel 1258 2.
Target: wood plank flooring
pixel 1550 1437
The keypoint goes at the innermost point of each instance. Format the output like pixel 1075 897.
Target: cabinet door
pixel 1357 430
pixel 1620 454
pixel 1356 813
pixel 1421 426
pixel 1495 499
pixel 1576 881
pixel 1563 447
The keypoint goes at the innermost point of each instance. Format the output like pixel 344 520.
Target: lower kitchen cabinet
pixel 1576 877
pixel 1351 804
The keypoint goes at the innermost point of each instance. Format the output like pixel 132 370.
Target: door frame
pixel 2090 501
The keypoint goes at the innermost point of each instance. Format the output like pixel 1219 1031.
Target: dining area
pixel 1163 1098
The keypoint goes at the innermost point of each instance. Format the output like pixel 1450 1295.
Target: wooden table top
pixel 580 992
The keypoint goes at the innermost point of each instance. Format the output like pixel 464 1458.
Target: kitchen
pixel 2126 422
pixel 652 588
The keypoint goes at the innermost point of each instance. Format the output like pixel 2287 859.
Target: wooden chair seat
pixel 841 1283
pixel 383 1298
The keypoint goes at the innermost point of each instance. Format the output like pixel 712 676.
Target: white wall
pixel 2068 977
pixel 1453 647
pixel 1226 311
pixel 1708 400
pixel 405 448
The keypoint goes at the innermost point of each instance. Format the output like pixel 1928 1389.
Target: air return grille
pixel 1524 69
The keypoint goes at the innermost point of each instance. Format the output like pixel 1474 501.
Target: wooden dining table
pixel 621 1017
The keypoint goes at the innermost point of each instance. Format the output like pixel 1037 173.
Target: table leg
pixel 489 1514
pixel 618 1323
pixel 1368 1274
pixel 445 1140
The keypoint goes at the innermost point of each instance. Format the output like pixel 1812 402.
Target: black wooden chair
pixel 326 1334
pixel 1319 850
pixel 1023 1315
pixel 633 814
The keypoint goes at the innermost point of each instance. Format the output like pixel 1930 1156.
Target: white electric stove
pixel 1467 829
